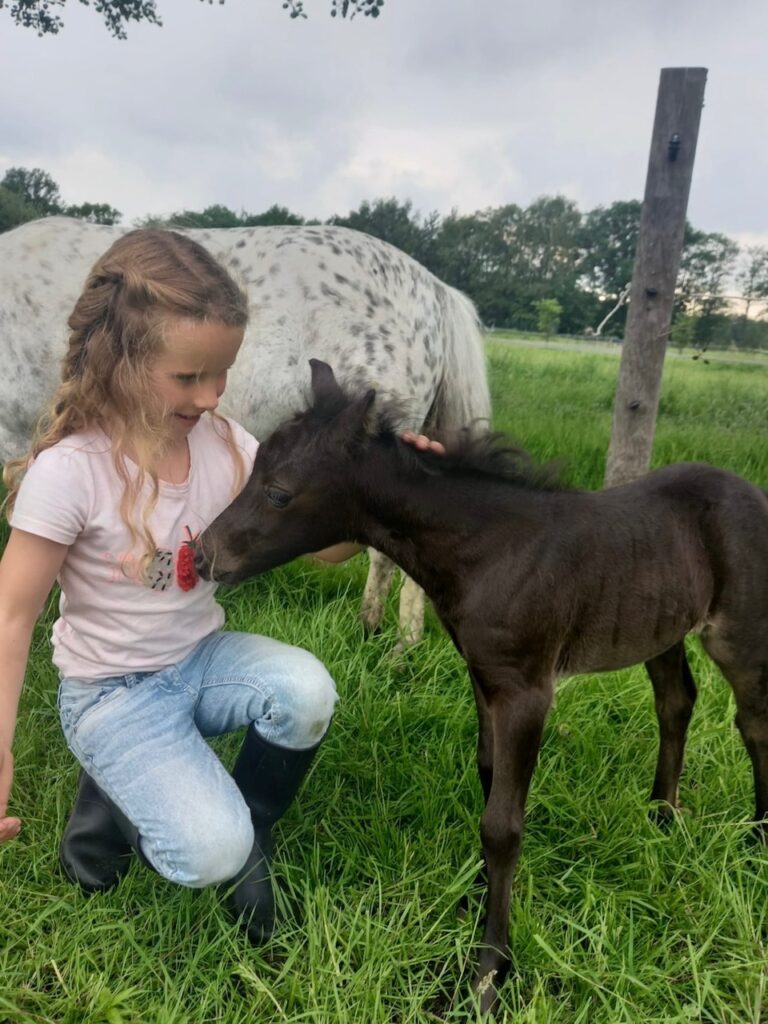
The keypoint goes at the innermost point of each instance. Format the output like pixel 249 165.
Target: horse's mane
pixel 470 451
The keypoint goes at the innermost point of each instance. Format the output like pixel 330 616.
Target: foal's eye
pixel 277 497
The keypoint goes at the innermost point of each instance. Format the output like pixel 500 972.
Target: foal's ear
pixel 325 388
pixel 354 420
pixel 332 404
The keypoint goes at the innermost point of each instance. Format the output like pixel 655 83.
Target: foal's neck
pixel 432 524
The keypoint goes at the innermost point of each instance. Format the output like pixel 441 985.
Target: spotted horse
pixel 330 293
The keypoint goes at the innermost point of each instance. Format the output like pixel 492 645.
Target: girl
pixel 128 465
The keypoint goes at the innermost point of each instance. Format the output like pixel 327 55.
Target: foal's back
pixel 613 578
pixel 690 553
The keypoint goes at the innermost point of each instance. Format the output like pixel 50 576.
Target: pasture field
pixel 613 921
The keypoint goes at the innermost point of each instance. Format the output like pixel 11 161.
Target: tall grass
pixel 612 920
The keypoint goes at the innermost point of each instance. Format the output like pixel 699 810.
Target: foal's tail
pixel 463 397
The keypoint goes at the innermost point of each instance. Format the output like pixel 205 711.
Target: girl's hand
pixel 422 443
pixel 9 827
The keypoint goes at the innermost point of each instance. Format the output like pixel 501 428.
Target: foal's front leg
pixel 484 767
pixel 517 709
pixel 484 738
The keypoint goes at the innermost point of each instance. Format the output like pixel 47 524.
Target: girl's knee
pixel 214 853
pixel 313 704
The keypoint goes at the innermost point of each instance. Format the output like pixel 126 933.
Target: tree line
pixel 546 266
pixel 29 194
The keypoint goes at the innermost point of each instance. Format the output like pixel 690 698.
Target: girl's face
pixel 190 374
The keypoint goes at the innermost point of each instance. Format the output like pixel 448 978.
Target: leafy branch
pixel 43 15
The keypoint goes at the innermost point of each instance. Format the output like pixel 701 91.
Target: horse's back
pixel 376 315
pixel 683 548
pixel 683 487
pixel 734 527
pixel 716 505
pixel 367 309
pixel 42 268
pixel 726 518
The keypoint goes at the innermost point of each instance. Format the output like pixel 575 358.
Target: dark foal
pixel 532 582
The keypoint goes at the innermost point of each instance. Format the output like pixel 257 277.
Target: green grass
pixel 612 920
pixel 605 346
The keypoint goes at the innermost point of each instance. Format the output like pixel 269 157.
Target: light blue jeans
pixel 141 738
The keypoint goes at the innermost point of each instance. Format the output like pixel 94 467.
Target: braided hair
pixel 146 279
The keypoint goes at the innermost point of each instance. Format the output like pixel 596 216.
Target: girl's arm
pixel 28 570
pixel 338 552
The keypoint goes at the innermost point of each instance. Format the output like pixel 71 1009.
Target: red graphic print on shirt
pixel 186 573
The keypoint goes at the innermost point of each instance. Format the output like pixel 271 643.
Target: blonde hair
pixel 145 279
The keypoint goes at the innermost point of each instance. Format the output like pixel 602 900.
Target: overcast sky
pixel 449 103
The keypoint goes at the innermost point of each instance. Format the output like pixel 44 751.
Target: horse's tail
pixel 463 398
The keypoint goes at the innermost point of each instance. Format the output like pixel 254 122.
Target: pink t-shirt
pixel 110 623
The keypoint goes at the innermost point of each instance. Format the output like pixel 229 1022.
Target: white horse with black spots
pixel 373 313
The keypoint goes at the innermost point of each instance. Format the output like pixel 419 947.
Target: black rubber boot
pixel 94 852
pixel 269 777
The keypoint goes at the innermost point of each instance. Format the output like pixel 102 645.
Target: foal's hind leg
pixel 675 694
pixel 750 688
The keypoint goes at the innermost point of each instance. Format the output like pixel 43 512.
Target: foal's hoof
pixel 664 815
pixel 492 969
pixel 485 990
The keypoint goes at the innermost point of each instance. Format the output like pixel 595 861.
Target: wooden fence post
pixel 657 260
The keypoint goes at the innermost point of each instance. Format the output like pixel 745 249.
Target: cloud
pixel 446 102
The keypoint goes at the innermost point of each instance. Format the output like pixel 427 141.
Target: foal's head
pixel 300 496
pixel 295 501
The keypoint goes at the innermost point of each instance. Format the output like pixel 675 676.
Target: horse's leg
pixel 484 765
pixel 750 688
pixel 517 712
pixel 377 586
pixel 411 615
pixel 484 738
pixel 675 694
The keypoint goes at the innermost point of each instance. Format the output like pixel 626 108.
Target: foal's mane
pixel 470 451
